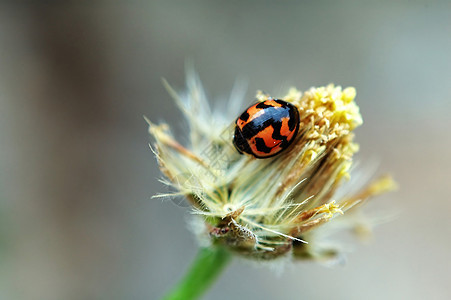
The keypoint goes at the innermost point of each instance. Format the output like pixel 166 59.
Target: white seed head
pixel 266 208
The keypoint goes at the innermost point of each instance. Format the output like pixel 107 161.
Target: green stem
pixel 207 265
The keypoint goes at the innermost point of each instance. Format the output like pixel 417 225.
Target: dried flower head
pixel 266 208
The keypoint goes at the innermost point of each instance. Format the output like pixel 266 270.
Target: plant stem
pixel 207 265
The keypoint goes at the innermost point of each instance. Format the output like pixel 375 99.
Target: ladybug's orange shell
pixel 266 128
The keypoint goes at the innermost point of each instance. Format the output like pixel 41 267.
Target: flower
pixel 266 208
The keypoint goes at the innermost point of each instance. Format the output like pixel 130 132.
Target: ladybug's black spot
pixel 263 105
pixel 276 134
pixel 252 128
pixel 261 146
pixel 244 116
pixel 240 142
pixel 281 102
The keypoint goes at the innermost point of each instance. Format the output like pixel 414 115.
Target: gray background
pixel 76 174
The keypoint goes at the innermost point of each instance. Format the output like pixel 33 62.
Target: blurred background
pixel 76 173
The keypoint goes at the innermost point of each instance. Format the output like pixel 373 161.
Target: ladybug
pixel 266 128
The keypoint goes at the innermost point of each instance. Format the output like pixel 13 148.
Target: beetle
pixel 266 128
